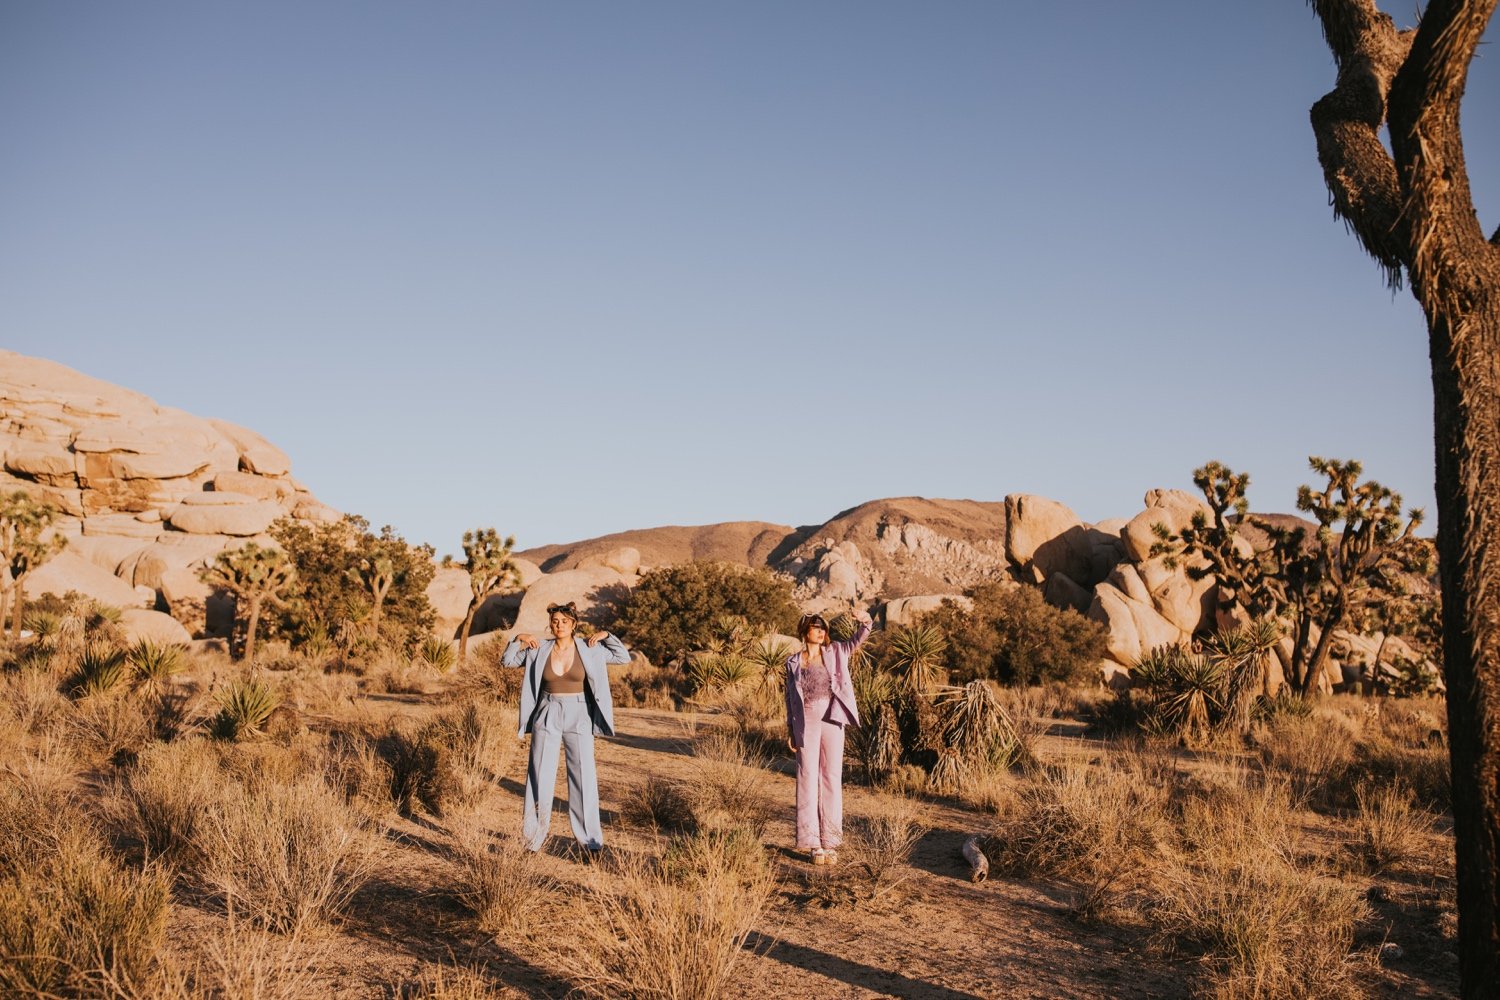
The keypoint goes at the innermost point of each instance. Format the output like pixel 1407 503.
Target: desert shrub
pixel 639 684
pixel 79 921
pixel 729 786
pixel 30 699
pixel 287 856
pixel 671 930
pixel 1313 750
pixel 245 705
pixel 162 797
pixel 446 764
pixel 1389 829
pixel 499 881
pixel 331 599
pixel 1093 826
pixel 674 609
pixel 72 918
pixel 1423 770
pixel 1011 634
pixel 661 804
pixel 1241 896
pixel 874 861
pixel 112 729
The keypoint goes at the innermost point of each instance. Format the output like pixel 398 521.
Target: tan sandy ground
pixel 938 936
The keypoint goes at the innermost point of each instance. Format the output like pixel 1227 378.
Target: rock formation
pixel 149 493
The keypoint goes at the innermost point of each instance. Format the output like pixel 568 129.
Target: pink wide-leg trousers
pixel 820 774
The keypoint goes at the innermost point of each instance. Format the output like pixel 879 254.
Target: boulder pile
pixel 149 494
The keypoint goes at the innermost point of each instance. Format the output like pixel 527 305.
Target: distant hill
pixel 906 545
pixel 749 543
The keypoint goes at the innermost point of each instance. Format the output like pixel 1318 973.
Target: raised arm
pixel 616 649
pixel 860 634
pixel 515 650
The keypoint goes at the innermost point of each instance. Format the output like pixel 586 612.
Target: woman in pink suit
pixel 819 704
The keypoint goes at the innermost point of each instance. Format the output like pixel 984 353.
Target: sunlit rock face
pixel 148 493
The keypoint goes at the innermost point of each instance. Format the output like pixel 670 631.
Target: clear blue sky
pixel 572 268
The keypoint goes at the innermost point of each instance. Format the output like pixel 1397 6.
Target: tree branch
pixel 1450 251
pixel 1359 172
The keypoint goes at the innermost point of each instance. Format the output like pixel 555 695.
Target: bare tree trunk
pixel 18 608
pixel 1317 662
pixel 1413 211
pixel 1467 395
pixel 463 633
pixel 252 621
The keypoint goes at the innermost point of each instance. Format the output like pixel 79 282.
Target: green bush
pixel 677 608
pixel 329 597
pixel 1013 635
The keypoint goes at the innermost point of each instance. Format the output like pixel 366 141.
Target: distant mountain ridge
pixel 896 546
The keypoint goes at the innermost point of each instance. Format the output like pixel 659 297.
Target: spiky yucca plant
pixel 245 705
pixel 437 653
pixel 1186 690
pixel 720 670
pixel 974 722
pixel 882 746
pixel 42 624
pixel 154 663
pixel 1245 656
pixel 102 668
pixel 917 656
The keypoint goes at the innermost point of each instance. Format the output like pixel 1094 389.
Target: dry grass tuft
pixel 287 856
pixel 660 804
pixel 1313 749
pixel 874 861
pixel 730 787
pixel 448 764
pixel 73 920
pixel 499 880
pixel 1267 925
pixel 1094 826
pixel 673 930
pixel 448 983
pixel 103 729
pixel 160 800
pixel 1388 827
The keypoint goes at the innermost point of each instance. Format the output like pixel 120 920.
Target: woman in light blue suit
pixel 564 702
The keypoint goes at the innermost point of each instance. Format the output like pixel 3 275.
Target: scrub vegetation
pixel 180 823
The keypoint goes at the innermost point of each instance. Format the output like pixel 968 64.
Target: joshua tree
pixel 24 546
pixel 377 574
pixel 1353 559
pixel 258 576
pixel 491 570
pixel 1411 208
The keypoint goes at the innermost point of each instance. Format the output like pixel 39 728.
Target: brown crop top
pixel 568 683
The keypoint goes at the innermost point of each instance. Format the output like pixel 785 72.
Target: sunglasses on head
pixel 568 609
pixel 811 621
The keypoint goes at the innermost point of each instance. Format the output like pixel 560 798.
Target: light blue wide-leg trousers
pixel 562 721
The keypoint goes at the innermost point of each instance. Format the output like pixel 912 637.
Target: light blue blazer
pixel 595 678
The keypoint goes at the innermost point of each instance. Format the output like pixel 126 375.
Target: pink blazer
pixel 841 707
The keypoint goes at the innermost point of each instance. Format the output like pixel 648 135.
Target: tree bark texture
pixel 1412 209
pixel 252 622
